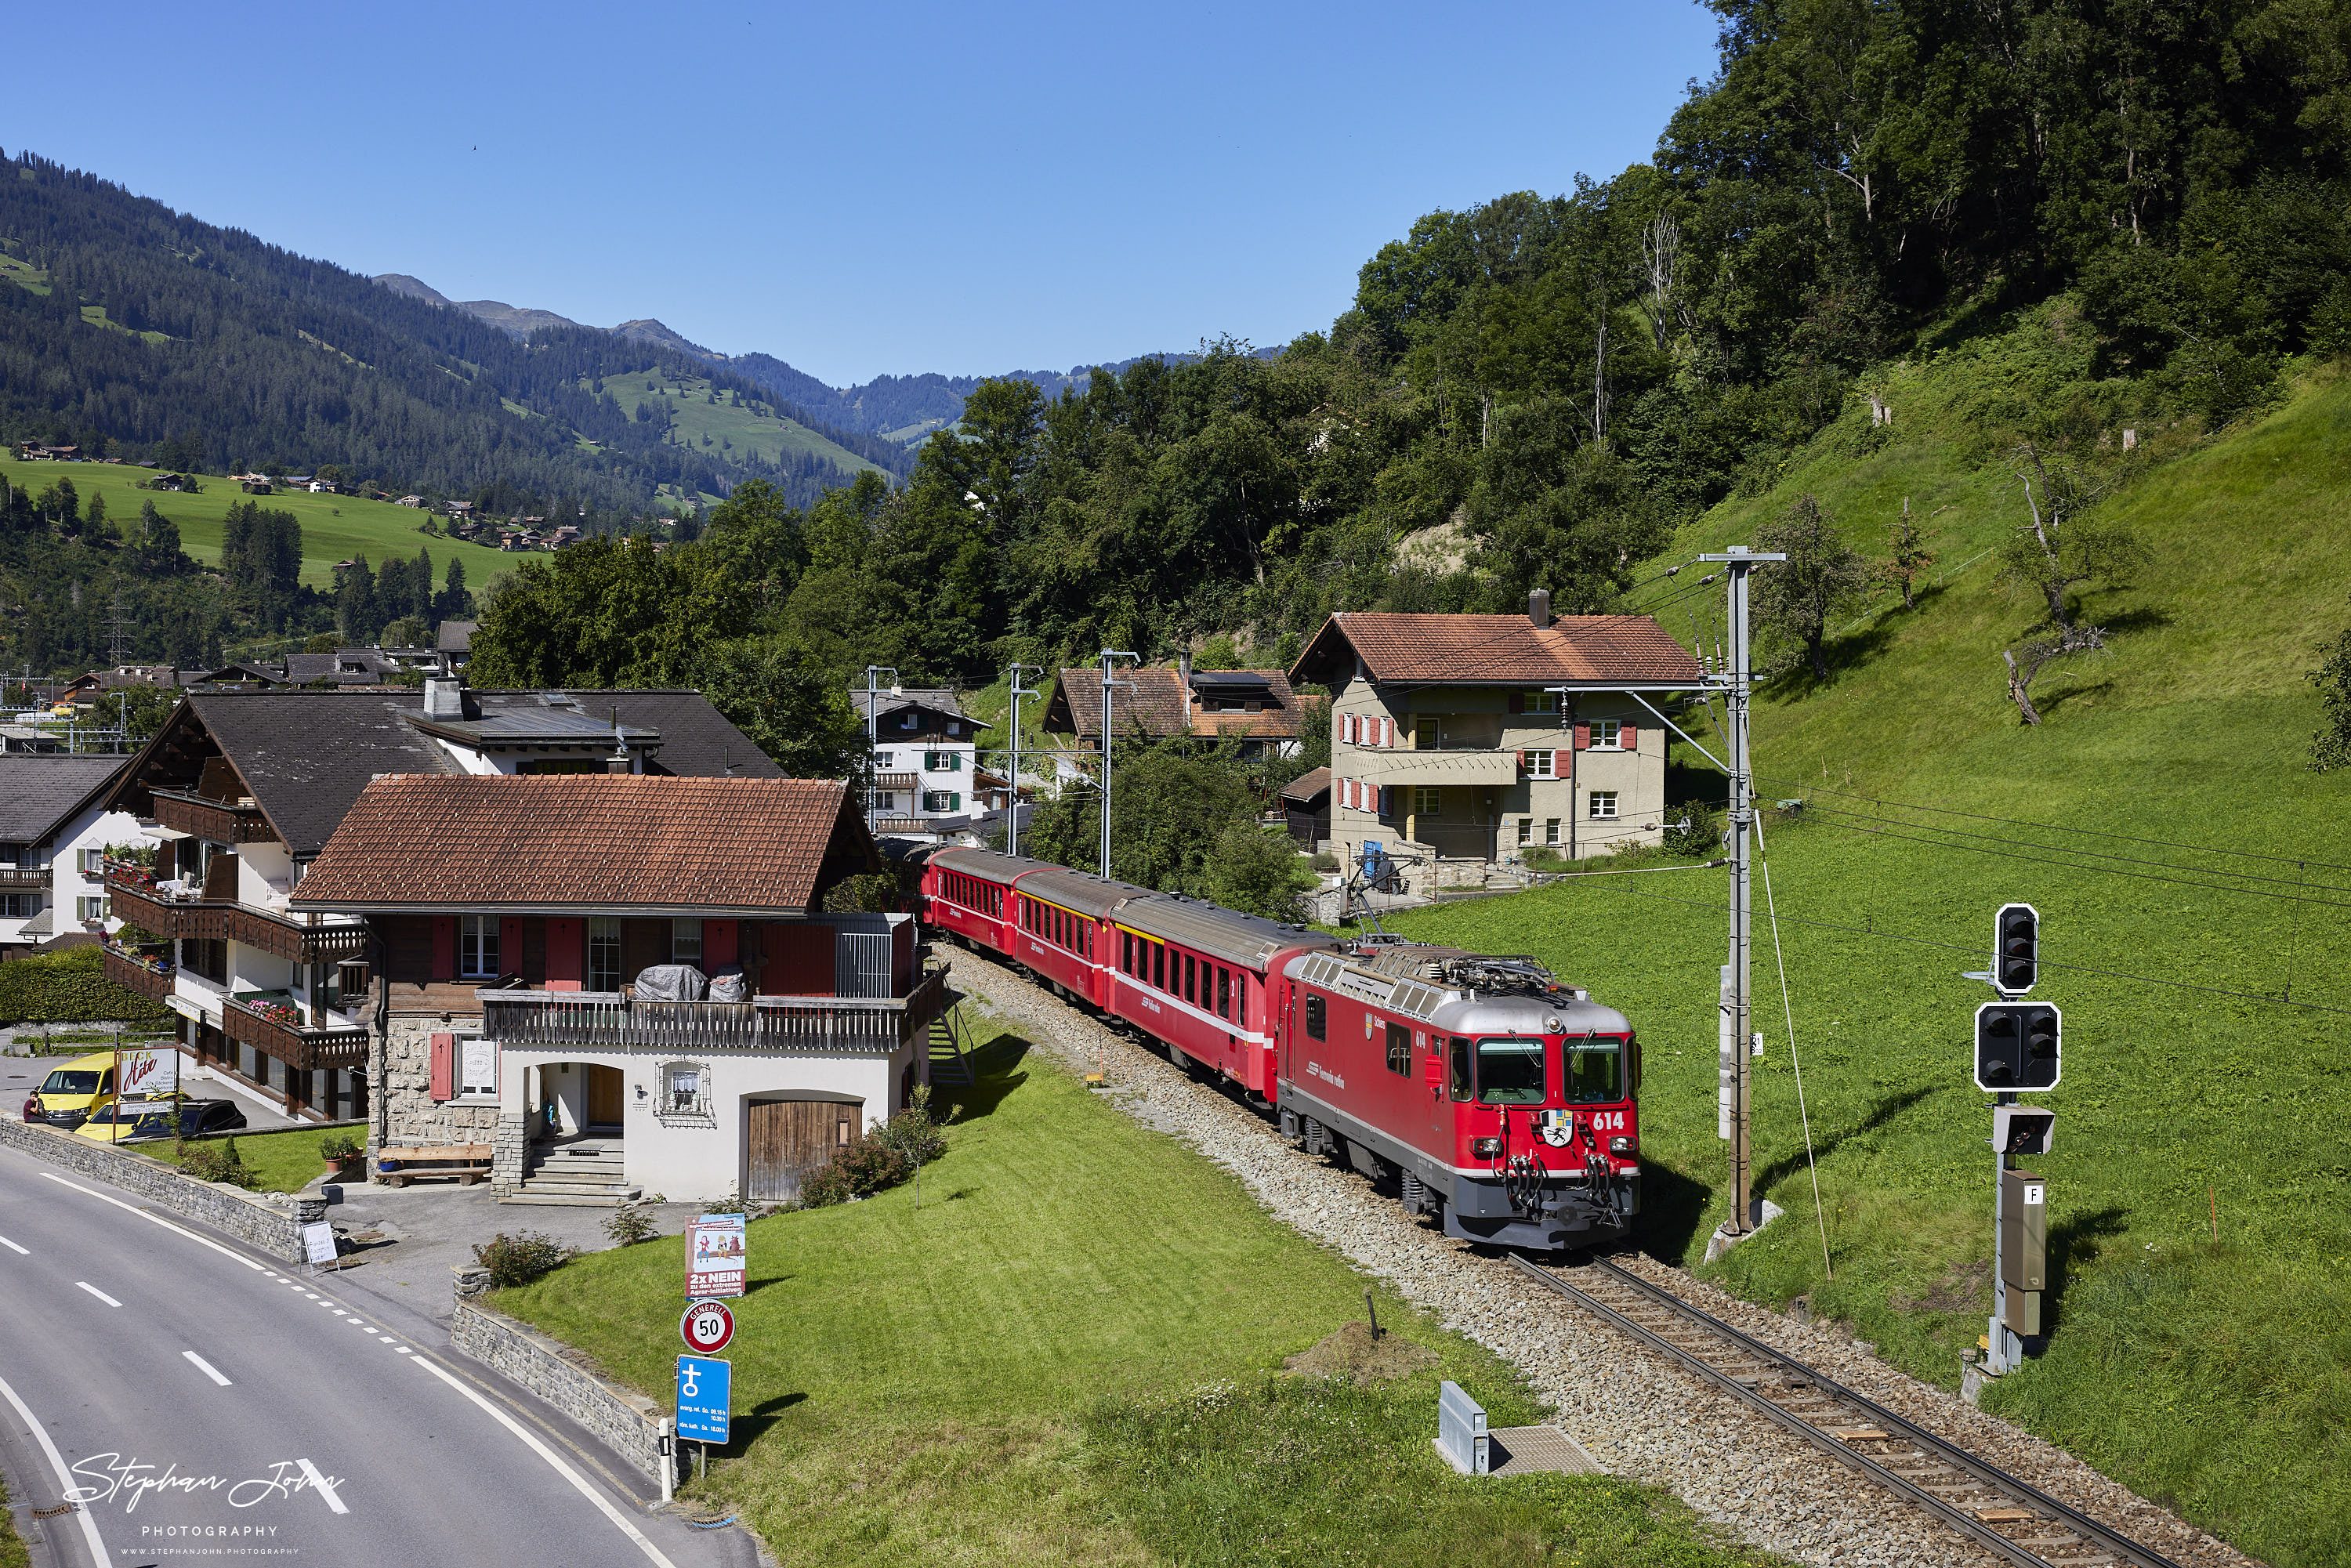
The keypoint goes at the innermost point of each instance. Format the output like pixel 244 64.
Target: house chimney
pixel 1184 680
pixel 1538 607
pixel 618 761
pixel 445 699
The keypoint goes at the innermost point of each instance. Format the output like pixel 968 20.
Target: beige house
pixel 1458 742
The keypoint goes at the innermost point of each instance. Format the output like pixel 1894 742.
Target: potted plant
pixel 346 1159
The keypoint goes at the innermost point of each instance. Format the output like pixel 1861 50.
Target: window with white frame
pixel 886 800
pixel 1607 734
pixel 880 761
pixel 603 953
pixel 1603 805
pixel 683 1089
pixel 90 908
pixel 685 941
pixel 1526 830
pixel 1542 702
pixel 942 800
pixel 1539 763
pixel 1428 799
pixel 1551 829
pixel 477 947
pixel 942 761
pixel 477 1067
pixel 910 719
pixel 93 862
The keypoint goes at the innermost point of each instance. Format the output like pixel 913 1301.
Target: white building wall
pixel 69 883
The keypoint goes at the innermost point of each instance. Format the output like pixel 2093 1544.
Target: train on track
pixel 1477 1088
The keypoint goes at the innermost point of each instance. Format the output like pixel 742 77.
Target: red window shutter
pixel 719 940
pixel 1387 732
pixel 510 945
pixel 444 946
pixel 1347 728
pixel 1559 761
pixel 1583 738
pixel 1522 762
pixel 1628 737
pixel 444 1067
pixel 1518 702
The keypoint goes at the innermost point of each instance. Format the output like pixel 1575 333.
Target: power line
pixel 1977 949
pixel 2102 870
pixel 2055 828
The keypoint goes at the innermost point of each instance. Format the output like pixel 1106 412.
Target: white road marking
pixel 94 1291
pixel 12 1247
pixel 98 1552
pixel 207 1368
pixel 619 1519
pixel 159 1220
pixel 320 1485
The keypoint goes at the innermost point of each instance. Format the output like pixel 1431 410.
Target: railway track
pixel 1998 1511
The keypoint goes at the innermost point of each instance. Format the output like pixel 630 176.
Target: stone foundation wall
pixel 412 1115
pixel 273 1227
pixel 627 1423
pixel 509 1152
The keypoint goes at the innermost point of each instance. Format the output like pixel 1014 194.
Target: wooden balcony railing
pixel 23 878
pixel 222 822
pixel 149 976
pixel 269 1032
pixel 607 1020
pixel 138 901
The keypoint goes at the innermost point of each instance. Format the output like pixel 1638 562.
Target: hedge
pixel 70 986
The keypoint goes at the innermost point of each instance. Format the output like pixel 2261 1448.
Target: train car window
pixel 1191 980
pixel 1317 1018
pixel 1459 1089
pixel 1159 964
pixel 1224 992
pixel 1511 1071
pixel 1595 1071
pixel 1240 1000
pixel 1126 952
pixel 1399 1050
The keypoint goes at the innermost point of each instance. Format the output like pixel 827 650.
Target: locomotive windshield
pixel 1511 1071
pixel 1595 1071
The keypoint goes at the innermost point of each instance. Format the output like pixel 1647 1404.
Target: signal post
pixel 2018 1049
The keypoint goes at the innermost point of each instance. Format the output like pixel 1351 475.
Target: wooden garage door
pixel 791 1138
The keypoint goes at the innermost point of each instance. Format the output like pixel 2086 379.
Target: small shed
pixel 1306 803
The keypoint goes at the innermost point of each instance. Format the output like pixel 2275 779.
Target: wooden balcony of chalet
pixel 613 1021
pixel 145 974
pixel 23 878
pixel 170 912
pixel 237 821
pixel 274 1029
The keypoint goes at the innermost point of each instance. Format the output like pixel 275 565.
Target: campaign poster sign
pixel 705 1398
pixel 715 1262
pixel 148 1073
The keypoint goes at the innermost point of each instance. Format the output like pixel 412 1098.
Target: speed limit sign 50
pixel 706 1327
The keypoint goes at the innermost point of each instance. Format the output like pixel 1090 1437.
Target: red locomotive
pixel 1483 1091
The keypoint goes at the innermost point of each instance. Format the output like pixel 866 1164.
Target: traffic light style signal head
pixel 2016 949
pixel 2017 1047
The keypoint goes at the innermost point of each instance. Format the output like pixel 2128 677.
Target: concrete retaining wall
pixel 627 1423
pixel 273 1227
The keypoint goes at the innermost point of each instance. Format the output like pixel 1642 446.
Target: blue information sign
pixel 705 1391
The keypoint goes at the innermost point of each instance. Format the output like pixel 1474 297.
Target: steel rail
pixel 1938 1446
pixel 1797 1373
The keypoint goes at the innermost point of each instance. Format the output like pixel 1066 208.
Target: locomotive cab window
pixel 1317 1016
pixel 1459 1076
pixel 1595 1071
pixel 1511 1071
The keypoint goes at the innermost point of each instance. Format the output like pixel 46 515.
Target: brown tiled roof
pixel 1500 650
pixel 1308 786
pixel 1153 705
pixel 589 842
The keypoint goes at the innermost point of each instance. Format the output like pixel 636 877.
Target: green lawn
pixel 765 436
pixel 2211 1375
pixel 334 527
pixel 1067 1355
pixel 280 1161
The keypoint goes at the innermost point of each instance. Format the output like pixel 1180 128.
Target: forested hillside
pixel 1539 390
pixel 130 329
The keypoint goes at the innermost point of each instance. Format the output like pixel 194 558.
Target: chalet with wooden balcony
pixel 241 792
pixel 1460 741
pixel 626 985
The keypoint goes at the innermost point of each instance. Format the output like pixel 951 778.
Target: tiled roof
pixel 589 842
pixel 1308 786
pixel 1499 650
pixel 1154 705
pixel 938 699
pixel 456 636
pixel 38 792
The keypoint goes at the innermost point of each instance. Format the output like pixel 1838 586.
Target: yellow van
pixel 71 1094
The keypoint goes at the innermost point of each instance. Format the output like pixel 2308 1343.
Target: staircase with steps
pixel 576 1173
pixel 948 1063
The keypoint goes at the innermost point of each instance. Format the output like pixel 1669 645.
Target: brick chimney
pixel 1538 607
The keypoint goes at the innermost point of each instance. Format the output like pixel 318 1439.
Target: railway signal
pixel 2018 1047
pixel 2015 949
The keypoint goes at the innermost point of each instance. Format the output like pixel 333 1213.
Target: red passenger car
pixel 1195 975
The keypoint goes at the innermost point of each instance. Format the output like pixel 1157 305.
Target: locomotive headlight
pixel 1485 1148
pixel 1624 1145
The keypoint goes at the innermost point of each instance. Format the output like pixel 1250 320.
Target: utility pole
pixel 1012 810
pixel 873 727
pixel 1109 658
pixel 1737 1066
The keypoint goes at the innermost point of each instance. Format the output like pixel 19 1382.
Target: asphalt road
pixel 209 1403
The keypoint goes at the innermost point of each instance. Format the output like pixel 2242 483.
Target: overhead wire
pixel 1788 1011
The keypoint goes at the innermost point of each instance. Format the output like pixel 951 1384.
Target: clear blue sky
pixel 862 189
